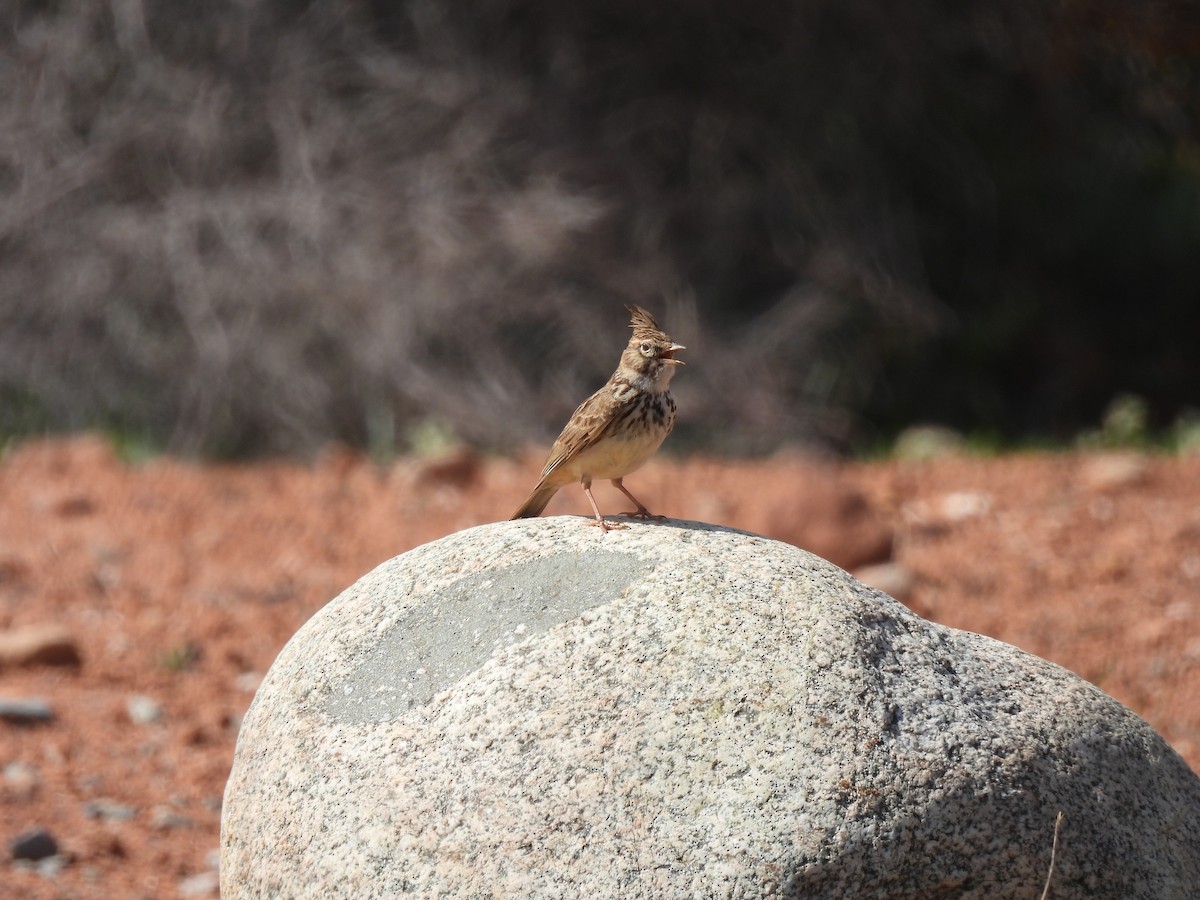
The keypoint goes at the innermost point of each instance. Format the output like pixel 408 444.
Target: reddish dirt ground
pixel 180 583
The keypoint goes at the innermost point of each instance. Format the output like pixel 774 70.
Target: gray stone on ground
pixel 202 884
pixel 21 781
pixel 143 710
pixel 539 709
pixel 104 808
pixel 34 845
pixel 25 710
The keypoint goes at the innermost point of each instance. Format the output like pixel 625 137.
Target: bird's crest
pixel 643 324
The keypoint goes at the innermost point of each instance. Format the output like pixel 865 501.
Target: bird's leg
pixel 642 512
pixel 586 483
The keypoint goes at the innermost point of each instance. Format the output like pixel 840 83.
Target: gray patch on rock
pixel 433 645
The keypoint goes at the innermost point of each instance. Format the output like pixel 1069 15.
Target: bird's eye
pixel 647 348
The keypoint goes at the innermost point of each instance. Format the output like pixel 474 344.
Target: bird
pixel 618 428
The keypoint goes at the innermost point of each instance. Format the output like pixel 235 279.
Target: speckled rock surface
pixel 538 709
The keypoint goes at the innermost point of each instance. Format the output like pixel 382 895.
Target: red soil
pixel 181 582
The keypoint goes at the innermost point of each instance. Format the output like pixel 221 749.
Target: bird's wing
pixel 587 425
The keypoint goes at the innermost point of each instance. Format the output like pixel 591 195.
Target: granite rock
pixel 540 709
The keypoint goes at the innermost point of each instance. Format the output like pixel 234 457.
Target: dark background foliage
pixel 237 228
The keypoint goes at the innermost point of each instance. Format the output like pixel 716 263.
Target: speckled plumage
pixel 619 427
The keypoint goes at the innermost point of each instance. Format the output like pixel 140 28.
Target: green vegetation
pixel 1125 425
pixel 182 657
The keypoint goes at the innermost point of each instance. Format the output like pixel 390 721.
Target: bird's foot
pixel 606 526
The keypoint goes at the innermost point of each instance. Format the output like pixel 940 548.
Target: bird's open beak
pixel 669 354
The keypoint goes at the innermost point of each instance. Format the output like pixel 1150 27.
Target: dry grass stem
pixel 1053 853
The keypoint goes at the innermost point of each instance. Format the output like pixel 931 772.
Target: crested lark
pixel 619 427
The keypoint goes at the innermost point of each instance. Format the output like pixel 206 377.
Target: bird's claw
pixel 643 513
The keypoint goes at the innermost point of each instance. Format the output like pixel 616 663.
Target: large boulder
pixel 540 709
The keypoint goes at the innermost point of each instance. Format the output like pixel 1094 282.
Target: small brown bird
pixel 619 427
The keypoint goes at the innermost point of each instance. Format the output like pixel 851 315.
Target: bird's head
pixel 650 353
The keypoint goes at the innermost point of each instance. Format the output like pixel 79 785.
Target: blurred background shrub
pixel 246 227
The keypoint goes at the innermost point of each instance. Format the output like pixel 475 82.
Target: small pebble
pixel 163 818
pixel 108 809
pixel 202 884
pixel 959 505
pixel 1113 470
pixel 35 844
pixel 38 645
pixel 25 712
pixel 143 710
pixel 51 865
pixel 249 681
pixel 21 780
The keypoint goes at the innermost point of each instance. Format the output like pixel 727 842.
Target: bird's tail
pixel 536 502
